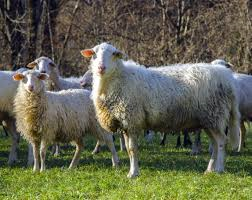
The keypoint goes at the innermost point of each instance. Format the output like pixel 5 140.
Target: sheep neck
pixel 53 84
pixel 102 84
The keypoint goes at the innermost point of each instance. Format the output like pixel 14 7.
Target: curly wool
pixel 166 98
pixel 55 116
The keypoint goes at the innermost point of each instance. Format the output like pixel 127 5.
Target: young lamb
pixel 45 117
pixel 132 98
pixel 244 88
pixel 55 82
pixel 7 93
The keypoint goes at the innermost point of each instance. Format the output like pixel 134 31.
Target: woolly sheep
pixel 244 88
pixel 55 81
pixel 132 98
pixel 7 92
pixel 45 117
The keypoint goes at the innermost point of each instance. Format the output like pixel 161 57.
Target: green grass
pixel 166 173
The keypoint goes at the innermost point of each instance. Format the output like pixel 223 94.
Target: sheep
pixel 132 98
pixel 55 81
pixel 45 117
pixel 7 92
pixel 244 88
pixel 87 80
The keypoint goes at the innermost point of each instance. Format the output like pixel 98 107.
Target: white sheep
pixel 45 117
pixel 132 98
pixel 244 89
pixel 7 92
pixel 55 81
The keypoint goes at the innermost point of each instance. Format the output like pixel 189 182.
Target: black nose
pixel 43 71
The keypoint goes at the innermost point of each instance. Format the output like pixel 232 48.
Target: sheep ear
pixel 87 53
pixel 31 65
pixel 118 55
pixel 43 76
pixel 18 77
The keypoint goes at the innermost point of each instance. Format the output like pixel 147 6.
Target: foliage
pixel 153 32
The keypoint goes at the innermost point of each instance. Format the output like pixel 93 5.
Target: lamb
pixel 7 92
pixel 57 83
pixel 131 98
pixel 45 117
pixel 54 83
pixel 244 88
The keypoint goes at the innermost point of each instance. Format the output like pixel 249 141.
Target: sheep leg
pixel 220 140
pixel 30 155
pixel 109 141
pixel 134 168
pixel 15 137
pixel 196 147
pixel 43 148
pixel 57 150
pixel 164 135
pixel 97 148
pixel 178 145
pixel 122 143
pixel 187 141
pixel 242 137
pixel 212 161
pixel 77 154
pixel 126 139
pixel 35 146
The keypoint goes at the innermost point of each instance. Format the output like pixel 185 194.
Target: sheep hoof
pixel 56 154
pixel 116 165
pixel 96 151
pixel 208 172
pixel 132 175
pixel 35 170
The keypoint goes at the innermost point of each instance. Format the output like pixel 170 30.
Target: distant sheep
pixel 55 82
pixel 244 89
pixel 44 117
pixel 131 98
pixel 8 90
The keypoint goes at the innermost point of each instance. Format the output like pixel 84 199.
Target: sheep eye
pixel 25 80
pixel 94 56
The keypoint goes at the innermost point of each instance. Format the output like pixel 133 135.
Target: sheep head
pixel 31 80
pixel 43 65
pixel 104 58
pixel 87 79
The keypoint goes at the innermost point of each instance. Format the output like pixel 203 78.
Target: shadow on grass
pixel 152 157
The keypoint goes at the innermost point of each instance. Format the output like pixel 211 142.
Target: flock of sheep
pixel 123 97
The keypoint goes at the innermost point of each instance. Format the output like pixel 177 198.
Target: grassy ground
pixel 166 173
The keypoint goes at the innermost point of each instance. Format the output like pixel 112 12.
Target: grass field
pixel 166 173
